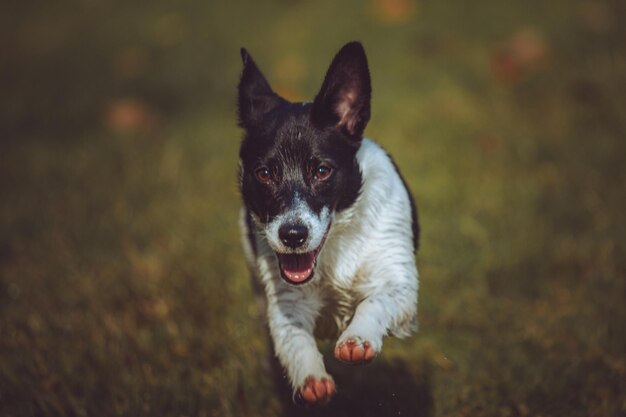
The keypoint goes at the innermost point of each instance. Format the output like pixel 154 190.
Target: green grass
pixel 123 289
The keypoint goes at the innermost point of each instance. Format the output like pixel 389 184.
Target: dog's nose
pixel 293 235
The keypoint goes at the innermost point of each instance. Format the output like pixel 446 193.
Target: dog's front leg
pixel 390 308
pixel 292 320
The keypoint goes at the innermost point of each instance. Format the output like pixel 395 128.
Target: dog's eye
pixel 263 174
pixel 323 172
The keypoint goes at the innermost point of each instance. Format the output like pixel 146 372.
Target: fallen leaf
pixel 394 11
pixel 128 115
pixel 524 52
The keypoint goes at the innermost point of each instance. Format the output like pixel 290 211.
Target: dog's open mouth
pixel 297 268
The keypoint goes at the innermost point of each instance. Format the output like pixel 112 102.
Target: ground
pixel 123 288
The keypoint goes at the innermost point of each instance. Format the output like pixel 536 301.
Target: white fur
pixel 365 283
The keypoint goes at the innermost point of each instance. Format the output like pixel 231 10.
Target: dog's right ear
pixel 344 99
pixel 256 97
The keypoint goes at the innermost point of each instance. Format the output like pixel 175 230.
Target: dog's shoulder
pixel 380 173
pixel 383 182
pixel 372 157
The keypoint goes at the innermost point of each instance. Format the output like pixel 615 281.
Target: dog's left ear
pixel 256 97
pixel 344 99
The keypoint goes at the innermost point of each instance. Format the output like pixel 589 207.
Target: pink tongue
pixel 297 267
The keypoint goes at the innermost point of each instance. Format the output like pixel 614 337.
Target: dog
pixel 329 226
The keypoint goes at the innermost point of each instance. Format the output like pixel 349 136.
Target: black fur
pixel 256 97
pixel 293 139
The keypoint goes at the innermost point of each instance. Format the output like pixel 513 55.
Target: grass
pixel 123 289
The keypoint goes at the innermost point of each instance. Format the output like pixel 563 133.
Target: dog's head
pixel 298 160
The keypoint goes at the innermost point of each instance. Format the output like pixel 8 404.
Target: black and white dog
pixel 330 227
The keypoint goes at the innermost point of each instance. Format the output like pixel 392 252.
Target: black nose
pixel 293 235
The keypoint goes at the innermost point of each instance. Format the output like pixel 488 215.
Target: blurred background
pixel 123 289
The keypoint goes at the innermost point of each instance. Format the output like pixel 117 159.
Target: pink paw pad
pixel 315 391
pixel 355 352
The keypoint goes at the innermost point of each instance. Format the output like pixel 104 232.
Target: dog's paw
pixel 355 351
pixel 315 391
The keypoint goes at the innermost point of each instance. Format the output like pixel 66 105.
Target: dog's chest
pixel 338 308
